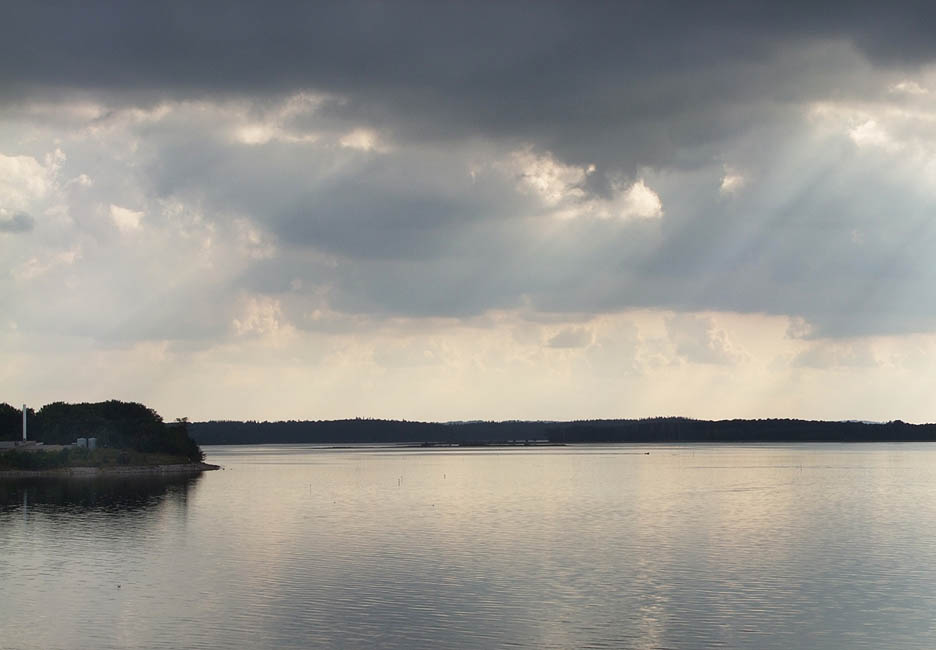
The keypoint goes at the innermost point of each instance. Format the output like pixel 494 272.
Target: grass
pixel 79 457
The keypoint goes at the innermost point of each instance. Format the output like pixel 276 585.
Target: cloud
pixel 259 316
pixel 836 355
pixel 125 219
pixel 571 337
pixel 24 179
pixel 585 162
pixel 543 175
pixel 640 201
pixel 798 328
pixel 870 134
pixel 409 353
pixel 909 87
pixel 362 139
pixel 732 182
pixel 640 84
pixel 35 267
pixel 698 340
pixel 16 222
pixel 463 227
pixel 618 351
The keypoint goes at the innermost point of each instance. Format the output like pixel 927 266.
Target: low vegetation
pixel 79 457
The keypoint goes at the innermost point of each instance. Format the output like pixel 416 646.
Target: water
pixel 694 546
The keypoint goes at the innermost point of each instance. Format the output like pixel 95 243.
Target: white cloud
pixel 82 180
pixel 546 177
pixel 639 201
pixel 23 179
pixel 275 123
pixel 561 188
pixel 255 133
pixel 732 182
pixel 909 87
pixel 362 140
pixel 871 134
pixel 125 219
pixel 627 201
pixel 262 317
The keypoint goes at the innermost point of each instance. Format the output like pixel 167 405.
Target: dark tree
pixel 11 422
pixel 116 424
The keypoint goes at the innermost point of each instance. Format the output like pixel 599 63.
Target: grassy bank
pixel 79 457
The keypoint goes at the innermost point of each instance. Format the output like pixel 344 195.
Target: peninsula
pixel 88 439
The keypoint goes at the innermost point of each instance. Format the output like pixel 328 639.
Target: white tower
pixel 24 422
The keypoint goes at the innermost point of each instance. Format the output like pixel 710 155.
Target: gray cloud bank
pixel 713 106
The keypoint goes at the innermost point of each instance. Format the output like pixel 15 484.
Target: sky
pixel 469 210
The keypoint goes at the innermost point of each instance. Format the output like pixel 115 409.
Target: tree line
pixel 662 429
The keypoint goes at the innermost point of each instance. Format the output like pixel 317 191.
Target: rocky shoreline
pixel 93 472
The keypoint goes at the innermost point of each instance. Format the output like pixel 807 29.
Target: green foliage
pixel 33 460
pixel 180 442
pixel 643 430
pixel 81 457
pixel 115 424
pixel 11 422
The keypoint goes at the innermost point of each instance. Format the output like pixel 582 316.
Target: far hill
pixel 669 429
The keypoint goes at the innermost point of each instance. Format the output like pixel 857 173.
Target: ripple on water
pixel 692 547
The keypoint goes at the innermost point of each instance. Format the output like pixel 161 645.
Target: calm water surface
pixel 695 546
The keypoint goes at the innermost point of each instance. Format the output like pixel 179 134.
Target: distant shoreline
pixel 537 433
pixel 94 472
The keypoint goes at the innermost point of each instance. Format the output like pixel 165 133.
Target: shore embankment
pixel 92 472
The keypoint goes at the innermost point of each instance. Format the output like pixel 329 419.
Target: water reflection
pixel 75 549
pixel 110 494
pixel 691 547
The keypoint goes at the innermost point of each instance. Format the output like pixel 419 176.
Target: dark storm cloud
pixel 616 84
pixel 503 48
pixel 16 222
pixel 568 75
